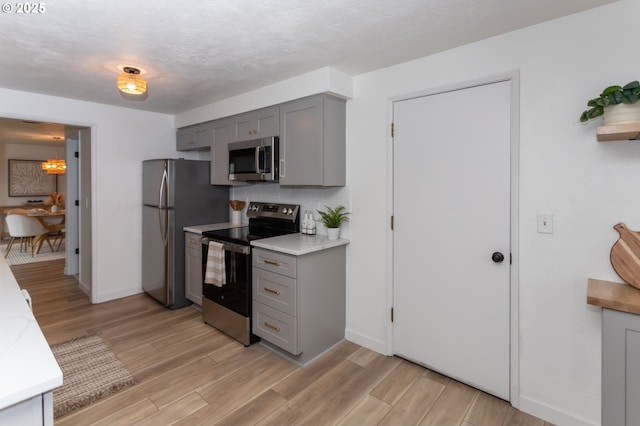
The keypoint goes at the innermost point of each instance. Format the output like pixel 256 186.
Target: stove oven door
pixel 236 293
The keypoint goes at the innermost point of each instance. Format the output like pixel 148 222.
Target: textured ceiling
pixel 198 52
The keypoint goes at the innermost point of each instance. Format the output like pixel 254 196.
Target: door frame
pixel 514 335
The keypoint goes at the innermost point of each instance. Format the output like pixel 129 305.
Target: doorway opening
pixel 38 141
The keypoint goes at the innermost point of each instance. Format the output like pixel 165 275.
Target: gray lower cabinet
pixel 221 130
pixel 257 124
pixel 620 368
pixel 35 411
pixel 193 267
pixel 312 141
pixel 196 137
pixel 299 301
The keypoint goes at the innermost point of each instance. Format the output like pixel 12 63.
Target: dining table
pixel 52 221
pixel 42 214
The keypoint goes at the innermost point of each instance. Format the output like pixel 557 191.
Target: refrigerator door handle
pixel 163 188
pixel 163 222
pixel 162 213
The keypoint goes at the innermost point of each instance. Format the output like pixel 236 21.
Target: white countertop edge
pixel 299 244
pixel 199 229
pixel 27 365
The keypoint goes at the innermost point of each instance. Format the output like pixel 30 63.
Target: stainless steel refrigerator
pixel 175 193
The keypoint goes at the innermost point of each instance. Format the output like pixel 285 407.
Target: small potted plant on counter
pixel 332 218
pixel 618 105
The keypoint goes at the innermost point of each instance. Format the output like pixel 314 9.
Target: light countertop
pixel 199 229
pixel 27 365
pixel 299 244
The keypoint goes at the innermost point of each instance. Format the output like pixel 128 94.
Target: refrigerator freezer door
pixel 158 183
pixel 158 254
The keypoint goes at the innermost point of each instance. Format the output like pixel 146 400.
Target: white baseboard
pixel 552 415
pixel 100 298
pixel 367 342
pixel 85 289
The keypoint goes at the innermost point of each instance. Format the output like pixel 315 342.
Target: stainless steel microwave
pixel 255 160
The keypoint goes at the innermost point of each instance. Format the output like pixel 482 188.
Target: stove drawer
pixel 275 290
pixel 279 263
pixel 275 327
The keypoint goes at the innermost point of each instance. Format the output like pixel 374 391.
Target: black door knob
pixel 497 257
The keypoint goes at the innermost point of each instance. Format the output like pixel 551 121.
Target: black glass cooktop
pixel 245 234
pixel 239 235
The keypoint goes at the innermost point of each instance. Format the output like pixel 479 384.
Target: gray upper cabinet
pixel 312 141
pixel 221 130
pixel 261 123
pixel 196 137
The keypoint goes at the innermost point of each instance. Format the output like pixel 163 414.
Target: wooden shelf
pixel 618 132
pixel 619 296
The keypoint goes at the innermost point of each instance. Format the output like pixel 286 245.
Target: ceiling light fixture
pixel 131 82
pixel 54 166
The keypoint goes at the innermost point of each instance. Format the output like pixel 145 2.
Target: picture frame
pixel 27 179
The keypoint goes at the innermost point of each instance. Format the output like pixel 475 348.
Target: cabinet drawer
pixel 192 241
pixel 275 327
pixel 275 262
pixel 275 290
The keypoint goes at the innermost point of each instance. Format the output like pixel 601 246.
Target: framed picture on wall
pixel 27 179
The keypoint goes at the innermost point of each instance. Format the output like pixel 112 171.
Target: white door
pixel 71 210
pixel 451 205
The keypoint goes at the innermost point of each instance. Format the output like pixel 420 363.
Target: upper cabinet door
pixel 312 141
pixel 196 137
pixel 261 123
pixel 220 152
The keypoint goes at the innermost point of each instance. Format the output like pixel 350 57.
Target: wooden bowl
pixel 237 204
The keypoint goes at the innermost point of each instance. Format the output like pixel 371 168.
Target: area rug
pixel 17 257
pixel 90 370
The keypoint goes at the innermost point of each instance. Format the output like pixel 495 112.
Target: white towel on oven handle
pixel 215 269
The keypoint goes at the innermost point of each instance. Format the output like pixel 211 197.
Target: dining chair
pixel 57 231
pixel 28 230
pixel 58 238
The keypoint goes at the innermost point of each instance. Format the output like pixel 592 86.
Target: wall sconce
pixel 130 81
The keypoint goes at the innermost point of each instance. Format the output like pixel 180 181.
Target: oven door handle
pixel 235 248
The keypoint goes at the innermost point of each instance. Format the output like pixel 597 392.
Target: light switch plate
pixel 545 223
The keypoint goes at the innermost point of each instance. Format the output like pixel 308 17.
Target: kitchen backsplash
pixel 308 198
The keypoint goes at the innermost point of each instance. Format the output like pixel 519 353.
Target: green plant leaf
pixel 615 98
pixel 333 217
pixel 632 85
pixel 629 97
pixel 595 112
pixel 610 89
pixel 584 117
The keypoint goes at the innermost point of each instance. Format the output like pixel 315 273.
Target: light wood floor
pixel 189 373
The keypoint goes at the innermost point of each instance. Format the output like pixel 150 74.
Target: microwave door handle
pixel 259 167
pixel 281 171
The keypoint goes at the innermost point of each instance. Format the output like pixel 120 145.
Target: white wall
pixel 121 139
pixel 589 186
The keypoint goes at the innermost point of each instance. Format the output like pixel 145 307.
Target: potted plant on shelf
pixel 618 105
pixel 332 218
